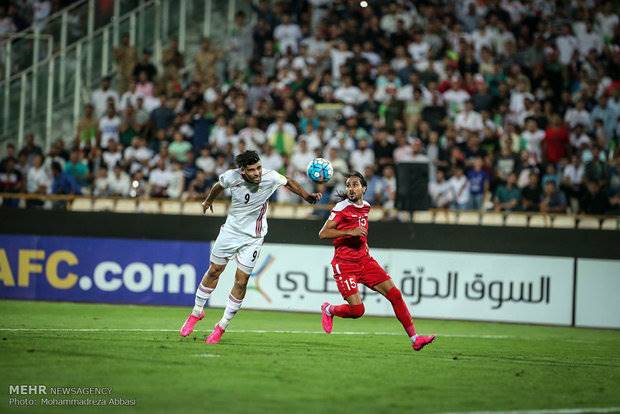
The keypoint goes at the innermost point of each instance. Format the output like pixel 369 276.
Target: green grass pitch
pixel 274 362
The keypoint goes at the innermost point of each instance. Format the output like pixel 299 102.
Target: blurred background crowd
pixel 513 105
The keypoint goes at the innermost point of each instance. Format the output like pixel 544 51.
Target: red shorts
pixel 365 271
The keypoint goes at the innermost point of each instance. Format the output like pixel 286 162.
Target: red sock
pixel 347 311
pixel 401 311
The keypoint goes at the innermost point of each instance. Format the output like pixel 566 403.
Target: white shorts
pixel 243 248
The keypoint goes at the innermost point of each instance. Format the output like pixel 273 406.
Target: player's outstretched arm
pixel 329 231
pixel 215 191
pixel 299 190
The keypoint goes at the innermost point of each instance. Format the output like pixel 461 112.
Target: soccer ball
pixel 320 170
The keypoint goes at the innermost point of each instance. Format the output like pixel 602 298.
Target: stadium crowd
pixel 514 106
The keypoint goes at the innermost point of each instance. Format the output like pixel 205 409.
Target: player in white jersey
pixel 241 237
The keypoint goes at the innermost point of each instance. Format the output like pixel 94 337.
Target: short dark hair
pixel 247 158
pixel 56 166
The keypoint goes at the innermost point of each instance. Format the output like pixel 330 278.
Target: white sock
pixel 202 295
pixel 413 338
pixel 232 306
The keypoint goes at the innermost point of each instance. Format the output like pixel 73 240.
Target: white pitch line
pixel 250 331
pixel 547 411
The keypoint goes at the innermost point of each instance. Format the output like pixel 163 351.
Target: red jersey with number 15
pixel 348 216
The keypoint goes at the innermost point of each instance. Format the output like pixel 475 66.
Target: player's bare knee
pixel 357 311
pixel 214 271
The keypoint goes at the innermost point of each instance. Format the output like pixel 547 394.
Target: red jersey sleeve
pixel 336 216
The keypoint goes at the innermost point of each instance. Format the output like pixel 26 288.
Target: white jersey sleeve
pixel 229 178
pixel 275 178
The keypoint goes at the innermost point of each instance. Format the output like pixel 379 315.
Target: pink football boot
pixel 326 320
pixel 216 335
pixel 190 322
pixel 421 341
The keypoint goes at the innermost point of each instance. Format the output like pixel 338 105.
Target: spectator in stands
pixel 118 182
pixel 172 60
pixel 281 135
pixel 478 185
pixel 11 181
pixel 144 85
pixel 572 178
pixel 388 190
pixel 596 169
pixel 552 200
pixel 441 191
pixel 206 62
pixel 362 157
pixel 145 65
pixel 37 181
pixel 288 34
pixel 198 187
pixel 178 148
pixel 300 158
pixel 608 115
pixel 531 140
pixel 531 194
pixel 460 188
pixel 159 180
pixel 87 128
pixel 31 149
pixel 63 182
pixel 101 97
pixel 507 196
pixel 239 44
pixel 594 200
pixel 10 156
pixel 176 184
pixel 77 168
pixel 163 116
pixel 113 155
pixel 109 127
pixel 137 156
pixel 126 58
pixel 556 142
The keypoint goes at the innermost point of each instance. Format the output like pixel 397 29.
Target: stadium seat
pixel 125 205
pixel 171 207
pixel 220 209
pixel 564 222
pixel 445 217
pixel 469 217
pixel 492 219
pixel 103 204
pixel 283 211
pixel 148 206
pixel 82 204
pixel 539 220
pixel 303 212
pixel 588 223
pixel 192 207
pixel 516 220
pixel 610 224
pixel 423 216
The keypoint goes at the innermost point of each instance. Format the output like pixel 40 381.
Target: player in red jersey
pixel 352 263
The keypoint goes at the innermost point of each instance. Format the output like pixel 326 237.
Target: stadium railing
pixel 47 98
pixel 305 211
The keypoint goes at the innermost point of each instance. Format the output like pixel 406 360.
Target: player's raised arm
pixel 215 191
pixel 329 231
pixel 296 188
